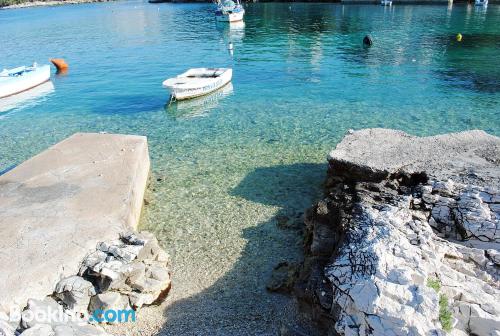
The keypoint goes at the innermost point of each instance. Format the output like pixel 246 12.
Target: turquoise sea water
pixel 225 166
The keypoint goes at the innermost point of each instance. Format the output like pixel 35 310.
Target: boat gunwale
pixel 44 67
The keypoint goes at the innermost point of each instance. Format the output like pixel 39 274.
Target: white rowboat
pixel 30 97
pixel 197 82
pixel 386 2
pixel 22 78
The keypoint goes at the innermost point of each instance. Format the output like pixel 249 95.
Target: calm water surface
pixel 226 165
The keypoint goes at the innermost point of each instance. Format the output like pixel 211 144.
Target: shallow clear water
pixel 226 165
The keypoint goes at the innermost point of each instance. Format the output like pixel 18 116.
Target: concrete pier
pixel 55 207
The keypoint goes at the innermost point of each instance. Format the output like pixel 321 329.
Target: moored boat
pixel 386 2
pixel 22 78
pixel 197 82
pixel 30 97
pixel 482 3
pixel 229 11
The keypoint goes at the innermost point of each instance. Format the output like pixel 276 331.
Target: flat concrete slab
pixel 471 157
pixel 55 207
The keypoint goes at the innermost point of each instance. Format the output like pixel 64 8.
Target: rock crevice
pixel 408 247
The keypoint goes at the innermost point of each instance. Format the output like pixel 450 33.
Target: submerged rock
pixel 283 277
pixel 376 261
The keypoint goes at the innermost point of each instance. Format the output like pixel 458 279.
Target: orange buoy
pixel 60 64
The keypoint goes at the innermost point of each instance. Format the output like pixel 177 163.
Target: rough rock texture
pixel 132 271
pixel 56 206
pixel 469 157
pixel 406 240
pixel 120 275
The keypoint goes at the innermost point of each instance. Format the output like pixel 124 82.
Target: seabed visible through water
pixel 224 168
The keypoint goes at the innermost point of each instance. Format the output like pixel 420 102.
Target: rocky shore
pixel 119 277
pixel 406 240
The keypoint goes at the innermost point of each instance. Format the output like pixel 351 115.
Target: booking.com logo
pixel 113 316
pixel 49 315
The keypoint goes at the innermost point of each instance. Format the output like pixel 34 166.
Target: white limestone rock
pixel 122 251
pixel 494 256
pixel 6 329
pixel 467 209
pixel 79 329
pixel 109 300
pixel 379 278
pixel 75 292
pixel 407 223
pixel 39 330
pixel 137 300
pixel 46 311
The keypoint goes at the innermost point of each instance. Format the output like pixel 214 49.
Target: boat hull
pixel 27 98
pixel 198 91
pixel 230 17
pixel 13 85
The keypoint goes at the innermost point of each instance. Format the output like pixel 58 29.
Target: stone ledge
pixel 55 208
pixel 372 154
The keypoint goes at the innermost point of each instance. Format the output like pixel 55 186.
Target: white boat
pixel 27 98
pixel 386 2
pixel 229 11
pixel 197 82
pixel 23 78
pixel 482 3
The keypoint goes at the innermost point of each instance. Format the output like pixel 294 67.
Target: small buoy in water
pixel 459 37
pixel 60 64
pixel 367 40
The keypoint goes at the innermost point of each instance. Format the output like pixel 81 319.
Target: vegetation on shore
pixel 4 3
pixel 445 315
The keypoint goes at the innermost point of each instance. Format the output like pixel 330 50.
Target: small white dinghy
pixel 481 3
pixel 23 78
pixel 197 82
pixel 386 2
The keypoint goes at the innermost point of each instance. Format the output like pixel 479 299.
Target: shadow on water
pixel 127 103
pixel 238 303
pixel 283 186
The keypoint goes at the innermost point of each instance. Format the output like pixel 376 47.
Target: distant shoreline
pixel 39 3
pixel 48 3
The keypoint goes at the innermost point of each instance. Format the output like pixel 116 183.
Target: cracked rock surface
pixel 119 275
pixel 409 246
